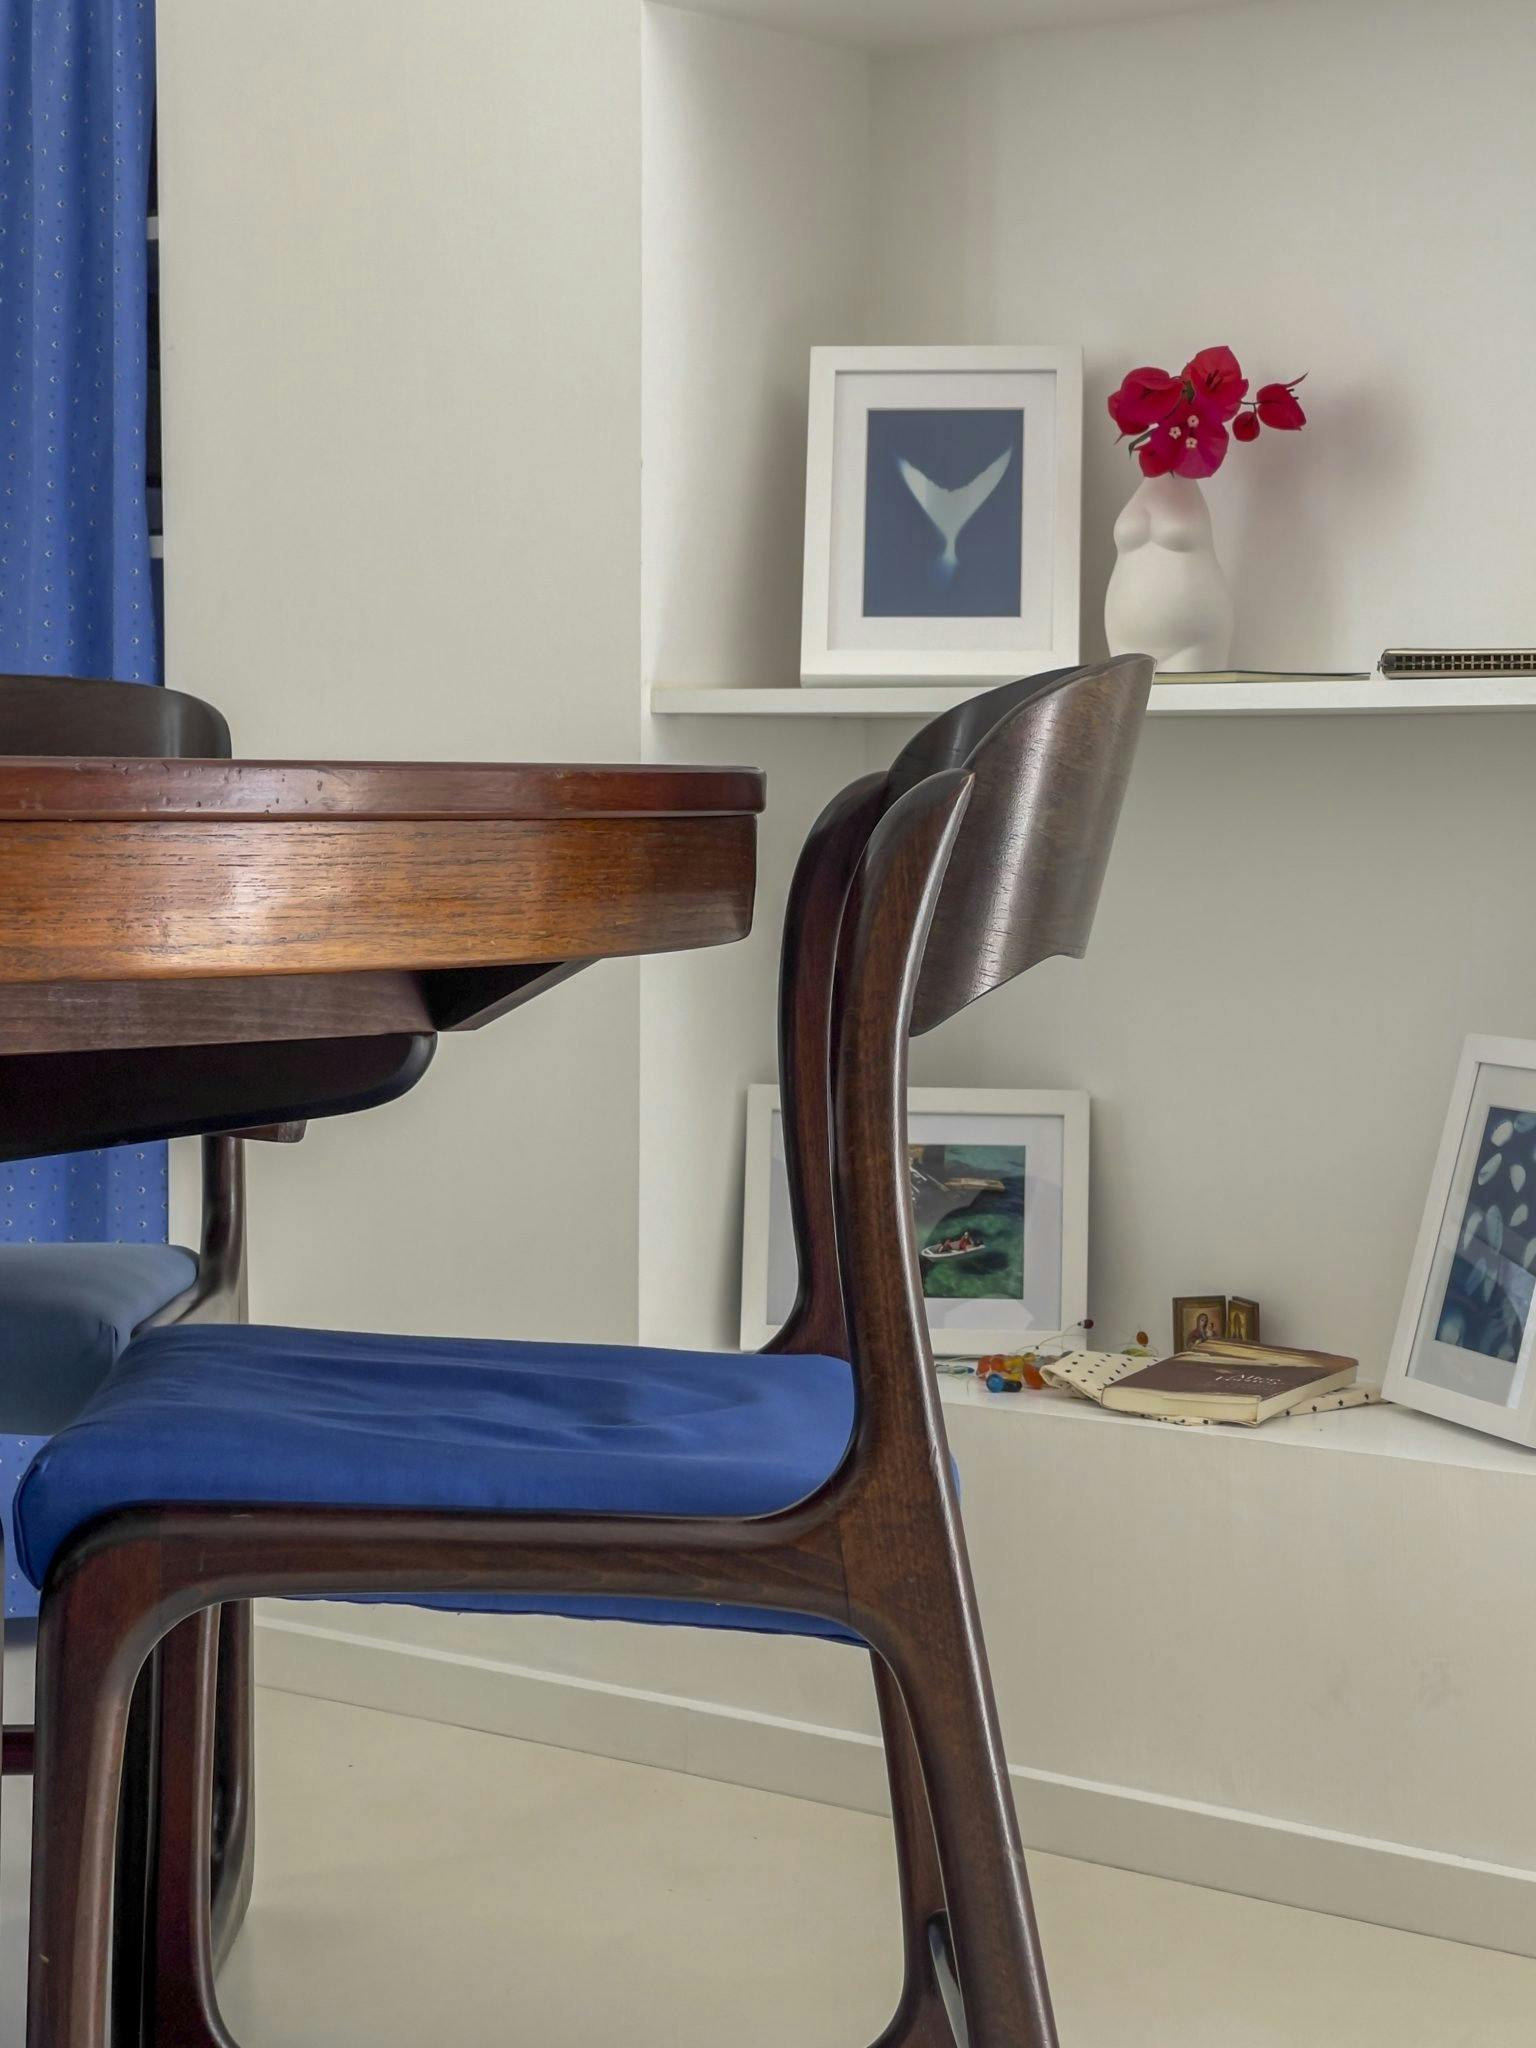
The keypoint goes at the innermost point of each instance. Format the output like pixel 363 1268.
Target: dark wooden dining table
pixel 220 945
pixel 202 945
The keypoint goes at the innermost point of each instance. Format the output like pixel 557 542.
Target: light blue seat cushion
pixel 307 1417
pixel 66 1313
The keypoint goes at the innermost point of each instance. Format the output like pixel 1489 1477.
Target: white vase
pixel 1168 596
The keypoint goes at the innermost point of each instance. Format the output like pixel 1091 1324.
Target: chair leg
pixel 92 1640
pixel 203 1841
pixel 920 2020
pixel 132 1915
pixel 234 1765
pixel 992 1937
pixel 181 2004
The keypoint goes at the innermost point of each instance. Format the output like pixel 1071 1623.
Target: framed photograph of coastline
pixel 1000 1202
pixel 943 514
pixel 1464 1342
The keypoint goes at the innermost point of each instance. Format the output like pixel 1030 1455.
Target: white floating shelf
pixel 1280 698
pixel 1382 1431
pixel 898 24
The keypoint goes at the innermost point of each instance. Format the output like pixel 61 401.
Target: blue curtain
pixel 77 90
pixel 77 101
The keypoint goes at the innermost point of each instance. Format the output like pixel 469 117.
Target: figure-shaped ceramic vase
pixel 1168 596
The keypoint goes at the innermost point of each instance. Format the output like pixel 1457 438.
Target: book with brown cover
pixel 1224 1381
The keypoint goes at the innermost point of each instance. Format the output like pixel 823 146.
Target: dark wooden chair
pixel 54 717
pixel 82 1304
pixel 980 853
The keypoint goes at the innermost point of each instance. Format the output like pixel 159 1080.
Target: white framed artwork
pixel 1466 1335
pixel 943 514
pixel 1000 1197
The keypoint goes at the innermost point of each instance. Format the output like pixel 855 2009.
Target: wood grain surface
pixel 86 1016
pixel 89 787
pixel 108 900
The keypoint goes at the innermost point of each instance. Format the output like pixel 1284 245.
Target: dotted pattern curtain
pixel 76 598
pixel 77 94
pixel 77 91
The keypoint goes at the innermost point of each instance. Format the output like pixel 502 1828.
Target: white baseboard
pixel 1424 1891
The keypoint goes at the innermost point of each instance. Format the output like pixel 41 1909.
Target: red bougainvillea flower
pixel 1279 407
pixel 1215 383
pixel 1190 444
pixel 1178 426
pixel 1145 397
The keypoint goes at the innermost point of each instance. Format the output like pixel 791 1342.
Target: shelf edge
pixel 1377 698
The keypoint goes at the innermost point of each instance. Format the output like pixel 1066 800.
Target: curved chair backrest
pixel 56 715
pixel 1023 880
pixel 1034 773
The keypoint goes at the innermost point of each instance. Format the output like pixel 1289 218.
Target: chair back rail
pixel 895 895
pixel 813 920
pixel 59 717
pixel 1024 878
pixel 1048 758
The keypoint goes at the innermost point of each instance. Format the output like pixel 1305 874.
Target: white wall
pixel 1348 191
pixel 1258 974
pixel 757 221
pixel 1302 918
pixel 757 210
pixel 400 251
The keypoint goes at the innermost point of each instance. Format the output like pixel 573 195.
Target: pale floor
pixel 421 1884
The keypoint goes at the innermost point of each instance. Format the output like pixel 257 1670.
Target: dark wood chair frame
pixel 979 854
pixel 52 717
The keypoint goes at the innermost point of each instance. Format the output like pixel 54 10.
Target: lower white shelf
pixel 1380 1431
pixel 1280 698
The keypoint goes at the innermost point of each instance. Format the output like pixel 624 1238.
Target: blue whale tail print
pixel 952 511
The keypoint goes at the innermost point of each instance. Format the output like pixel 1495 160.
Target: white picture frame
pixel 1465 1346
pixel 1041 499
pixel 1053 1298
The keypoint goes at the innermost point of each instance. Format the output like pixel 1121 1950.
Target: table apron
pixel 91 901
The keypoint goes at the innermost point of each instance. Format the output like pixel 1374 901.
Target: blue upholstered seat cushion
pixel 66 1312
pixel 310 1417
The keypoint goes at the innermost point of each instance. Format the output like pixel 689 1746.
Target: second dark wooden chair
pixel 809 1492
pixel 67 1312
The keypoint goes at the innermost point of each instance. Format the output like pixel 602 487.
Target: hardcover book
pixel 1224 1381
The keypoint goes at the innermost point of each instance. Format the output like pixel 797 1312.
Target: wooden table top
pixel 182 930
pixel 134 869
pixel 148 791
